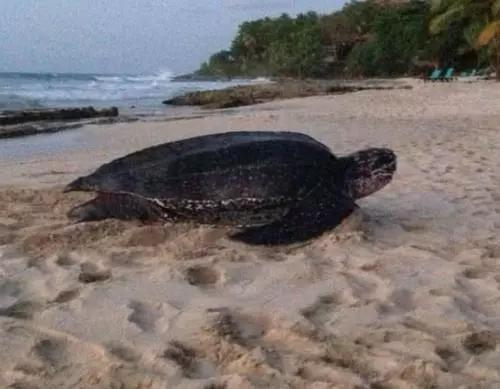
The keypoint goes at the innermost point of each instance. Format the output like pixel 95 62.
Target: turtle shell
pixel 234 170
pixel 234 178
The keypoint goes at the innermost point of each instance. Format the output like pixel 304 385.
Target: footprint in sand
pixel 447 354
pixel 124 353
pixel 361 286
pixel 191 363
pixel 22 310
pixel 7 235
pixel 10 288
pixel 52 353
pixel 66 296
pixel 496 196
pixel 202 275
pixel 439 292
pixel 65 260
pixel 475 273
pixel 182 355
pixel 144 315
pixel 259 341
pixel 492 251
pixel 480 342
pixel 241 329
pixel 402 300
pixel 90 272
pixel 150 236
pixel 126 257
pixel 321 310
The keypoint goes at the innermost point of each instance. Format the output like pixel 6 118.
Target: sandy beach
pixel 405 294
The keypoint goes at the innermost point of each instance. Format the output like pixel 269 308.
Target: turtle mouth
pixel 391 167
pixel 384 165
pixel 384 179
pixel 385 168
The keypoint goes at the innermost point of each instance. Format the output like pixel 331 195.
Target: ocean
pixel 140 93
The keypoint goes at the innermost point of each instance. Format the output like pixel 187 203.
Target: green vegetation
pixel 366 39
pixel 479 21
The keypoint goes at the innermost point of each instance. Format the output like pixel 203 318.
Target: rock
pixel 47 126
pixel 191 77
pixel 260 93
pixel 26 129
pixel 18 117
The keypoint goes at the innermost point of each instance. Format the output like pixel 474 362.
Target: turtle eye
pixel 385 159
pixel 382 161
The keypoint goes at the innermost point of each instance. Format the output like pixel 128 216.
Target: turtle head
pixel 368 171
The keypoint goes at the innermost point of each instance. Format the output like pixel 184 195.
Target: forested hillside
pixel 366 38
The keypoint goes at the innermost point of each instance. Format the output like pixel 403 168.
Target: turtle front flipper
pixel 321 211
pixel 123 206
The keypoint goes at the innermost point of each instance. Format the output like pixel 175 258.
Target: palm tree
pixel 482 16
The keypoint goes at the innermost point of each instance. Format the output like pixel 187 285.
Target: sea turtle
pixel 279 187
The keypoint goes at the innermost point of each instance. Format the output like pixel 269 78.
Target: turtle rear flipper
pixel 319 212
pixel 123 206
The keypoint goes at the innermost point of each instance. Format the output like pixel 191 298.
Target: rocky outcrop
pixel 65 114
pixel 254 94
pixel 43 121
pixel 195 77
pixel 47 127
pixel 25 129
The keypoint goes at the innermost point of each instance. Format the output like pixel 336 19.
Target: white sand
pixel 406 294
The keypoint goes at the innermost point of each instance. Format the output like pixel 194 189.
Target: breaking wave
pixel 36 90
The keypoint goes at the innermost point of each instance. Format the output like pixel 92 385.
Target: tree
pixel 362 15
pixel 299 54
pixel 343 30
pixel 398 36
pixel 279 46
pixel 366 38
pixel 481 19
pixel 221 63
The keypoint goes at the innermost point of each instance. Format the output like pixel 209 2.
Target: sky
pixel 128 36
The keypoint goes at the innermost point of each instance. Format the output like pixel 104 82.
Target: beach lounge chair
pixel 448 75
pixel 482 74
pixel 467 74
pixel 434 76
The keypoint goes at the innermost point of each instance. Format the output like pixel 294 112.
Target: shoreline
pixel 26 122
pixel 243 95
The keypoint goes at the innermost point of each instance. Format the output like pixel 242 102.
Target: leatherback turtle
pixel 280 187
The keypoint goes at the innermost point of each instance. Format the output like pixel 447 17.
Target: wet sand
pixel 405 294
